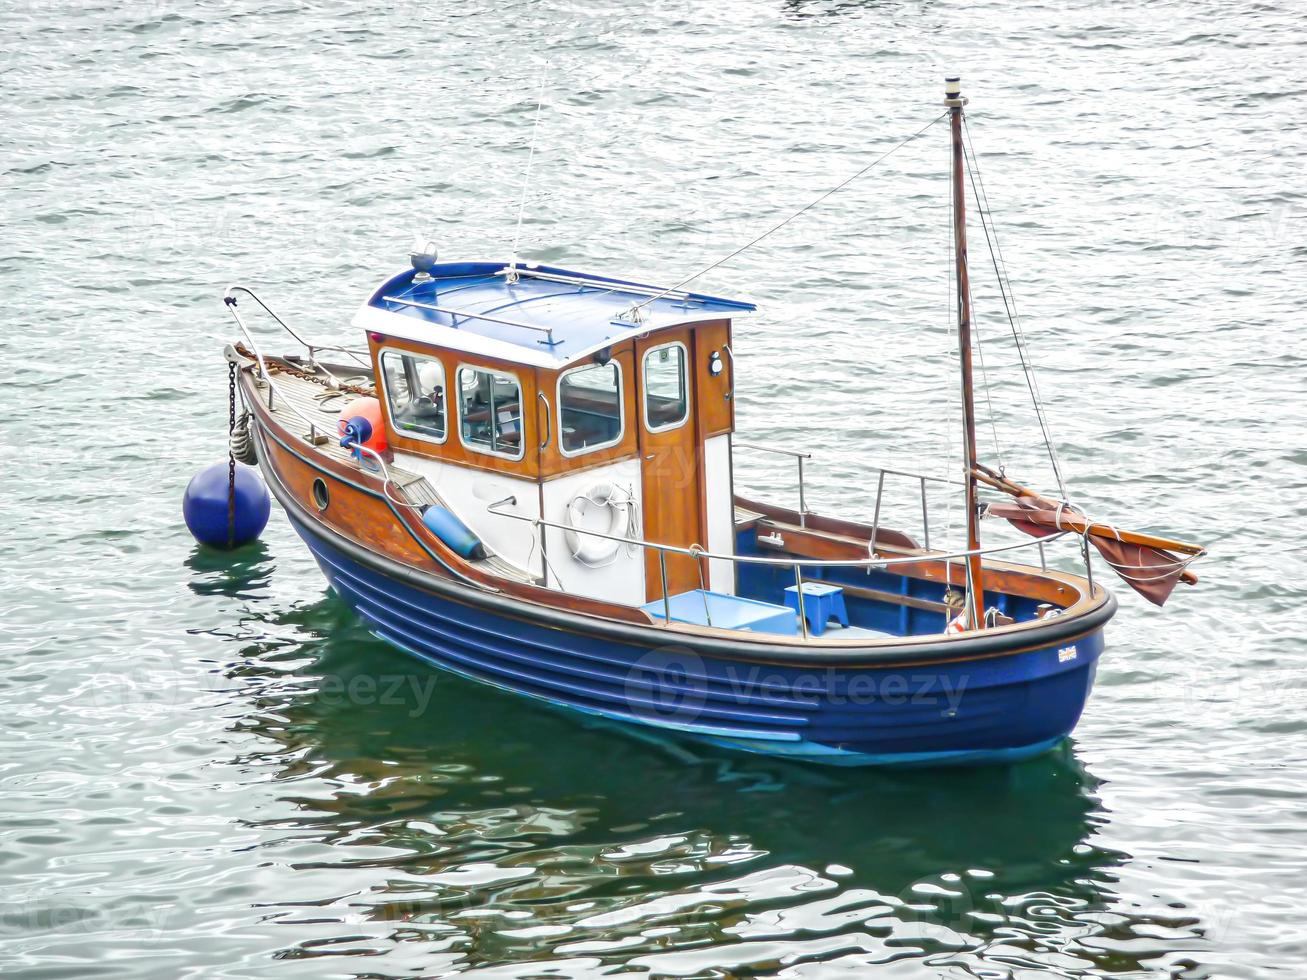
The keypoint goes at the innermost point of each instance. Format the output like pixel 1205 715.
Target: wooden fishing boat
pixel 541 498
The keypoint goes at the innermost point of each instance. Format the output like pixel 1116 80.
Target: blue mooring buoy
pixel 205 506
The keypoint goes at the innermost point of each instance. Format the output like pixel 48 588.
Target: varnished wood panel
pixel 452 449
pixel 822 522
pixel 552 461
pixel 820 545
pixel 671 479
pixel 358 516
pixel 894 599
pixel 716 412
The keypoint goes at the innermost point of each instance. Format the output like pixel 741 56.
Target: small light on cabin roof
pixel 423 260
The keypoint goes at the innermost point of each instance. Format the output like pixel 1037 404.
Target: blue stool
pixel 821 604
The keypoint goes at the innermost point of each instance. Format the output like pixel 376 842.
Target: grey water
pixel 208 768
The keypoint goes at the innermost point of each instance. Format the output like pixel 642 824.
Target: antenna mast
pixel 975 585
pixel 511 274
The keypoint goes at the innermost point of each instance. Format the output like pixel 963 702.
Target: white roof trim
pixel 398 325
pixel 392 324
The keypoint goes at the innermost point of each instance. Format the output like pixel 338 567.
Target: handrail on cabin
pixel 599 284
pixel 453 314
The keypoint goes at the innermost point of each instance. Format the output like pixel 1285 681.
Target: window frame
pixel 621 410
pixel 385 390
pixel 644 386
pixel 485 450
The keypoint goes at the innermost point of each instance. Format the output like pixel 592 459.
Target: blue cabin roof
pixel 549 317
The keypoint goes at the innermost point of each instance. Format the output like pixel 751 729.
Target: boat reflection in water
pixel 443 825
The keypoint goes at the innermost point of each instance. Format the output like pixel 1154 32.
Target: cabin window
pixel 666 402
pixel 590 407
pixel 490 412
pixel 415 392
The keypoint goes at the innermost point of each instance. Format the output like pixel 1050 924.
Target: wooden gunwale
pixel 1047 585
pixel 350 475
pixel 631 624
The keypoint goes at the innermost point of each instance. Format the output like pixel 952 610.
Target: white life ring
pixel 586 548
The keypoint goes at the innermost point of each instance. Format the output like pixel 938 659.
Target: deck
pixel 307 391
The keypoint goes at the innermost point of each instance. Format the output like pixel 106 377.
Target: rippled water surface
pixel 209 768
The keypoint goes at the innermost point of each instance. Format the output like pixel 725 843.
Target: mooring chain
pixel 295 372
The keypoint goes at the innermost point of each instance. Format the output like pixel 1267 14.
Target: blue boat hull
pixel 991 708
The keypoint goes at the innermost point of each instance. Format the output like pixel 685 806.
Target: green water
pixel 208 768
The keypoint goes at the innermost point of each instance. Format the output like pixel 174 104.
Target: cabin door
pixel 669 459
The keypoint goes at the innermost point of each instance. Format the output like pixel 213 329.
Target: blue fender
pixel 442 522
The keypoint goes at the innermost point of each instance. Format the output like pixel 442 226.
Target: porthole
pixel 320 496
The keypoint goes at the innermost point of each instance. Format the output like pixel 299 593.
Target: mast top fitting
pixel 953 97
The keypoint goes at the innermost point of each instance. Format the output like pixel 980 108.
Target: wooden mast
pixel 975 584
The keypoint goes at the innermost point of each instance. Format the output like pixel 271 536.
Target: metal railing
pixel 454 314
pixel 606 286
pixel 881 472
pixel 699 554
pixel 359 354
pixel 798 458
pixel 266 376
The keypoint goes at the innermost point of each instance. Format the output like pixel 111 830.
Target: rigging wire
pixel 984 378
pixel 634 310
pixel 1009 306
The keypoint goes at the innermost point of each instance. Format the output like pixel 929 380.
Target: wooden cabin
pixel 588 402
